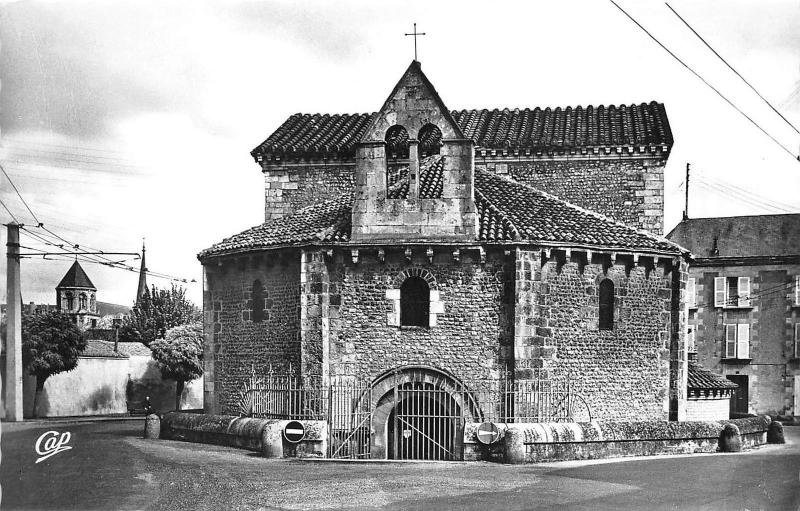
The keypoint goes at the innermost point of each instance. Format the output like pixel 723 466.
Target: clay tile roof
pixel 76 277
pixel 431 180
pixel 98 348
pixel 508 212
pixel 537 130
pixel 133 349
pixel 701 378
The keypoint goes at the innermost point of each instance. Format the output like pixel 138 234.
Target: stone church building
pixel 454 246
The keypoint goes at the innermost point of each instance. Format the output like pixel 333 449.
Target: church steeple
pixel 142 277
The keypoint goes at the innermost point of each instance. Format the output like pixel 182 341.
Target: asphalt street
pixel 111 467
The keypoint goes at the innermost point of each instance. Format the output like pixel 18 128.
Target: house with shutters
pixel 420 249
pixel 743 296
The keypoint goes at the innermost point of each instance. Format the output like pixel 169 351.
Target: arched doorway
pixel 419 414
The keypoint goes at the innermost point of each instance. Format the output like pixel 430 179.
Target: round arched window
pixel 415 298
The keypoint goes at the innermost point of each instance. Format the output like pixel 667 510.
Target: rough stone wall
pixel 235 344
pixel 772 317
pixel 630 190
pixel 623 373
pixel 288 188
pixel 470 338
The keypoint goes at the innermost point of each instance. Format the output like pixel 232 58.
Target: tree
pixel 156 312
pixel 179 355
pixel 51 344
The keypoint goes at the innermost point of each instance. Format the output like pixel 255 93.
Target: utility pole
pixel 686 192
pixel 13 347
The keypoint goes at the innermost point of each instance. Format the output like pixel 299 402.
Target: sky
pixel 124 120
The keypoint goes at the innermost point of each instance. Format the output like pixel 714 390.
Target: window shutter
pixel 719 291
pixel 797 340
pixel 690 339
pixel 743 341
pixel 691 297
pixel 797 290
pixel 730 341
pixel 743 289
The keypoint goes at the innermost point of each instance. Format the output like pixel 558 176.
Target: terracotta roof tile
pixel 508 212
pixel 537 130
pixel 701 378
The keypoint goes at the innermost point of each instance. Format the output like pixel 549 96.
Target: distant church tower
pixel 75 295
pixel 140 291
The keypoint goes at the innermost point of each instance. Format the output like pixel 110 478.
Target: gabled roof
pixel 536 130
pixel 740 236
pixel 76 277
pixel 700 378
pixel 508 211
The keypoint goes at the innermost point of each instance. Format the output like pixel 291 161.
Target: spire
pixel 142 277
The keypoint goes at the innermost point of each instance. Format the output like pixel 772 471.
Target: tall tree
pixel 179 355
pixel 51 344
pixel 157 311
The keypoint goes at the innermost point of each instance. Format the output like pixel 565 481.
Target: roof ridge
pixel 584 210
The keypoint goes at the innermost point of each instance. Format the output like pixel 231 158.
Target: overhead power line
pixel 9 212
pixel 695 73
pixel 19 194
pixel 732 68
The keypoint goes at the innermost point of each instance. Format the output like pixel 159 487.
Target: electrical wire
pixel 19 194
pixel 695 73
pixel 739 197
pixel 9 212
pixel 732 68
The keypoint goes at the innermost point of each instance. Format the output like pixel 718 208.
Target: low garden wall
pixel 263 435
pixel 536 442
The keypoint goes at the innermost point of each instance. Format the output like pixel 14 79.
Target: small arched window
pixel 70 300
pixel 430 140
pixel 607 304
pixel 92 303
pixel 257 300
pixel 82 303
pixel 396 142
pixel 415 296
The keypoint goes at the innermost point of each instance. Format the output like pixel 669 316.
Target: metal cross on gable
pixel 415 34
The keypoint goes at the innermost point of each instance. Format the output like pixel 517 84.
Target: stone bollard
pixel 272 440
pixel 514 446
pixel 152 426
pixel 775 433
pixel 730 440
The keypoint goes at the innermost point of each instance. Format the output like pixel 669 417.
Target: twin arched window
pixel 606 305
pixel 415 299
pixel 82 303
pixel 70 300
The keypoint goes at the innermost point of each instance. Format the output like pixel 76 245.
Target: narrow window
pixel 70 301
pixel 606 305
pixel 415 298
pixel 797 340
pixel 691 296
pixel 257 301
pixel 797 290
pixel 82 301
pixel 430 140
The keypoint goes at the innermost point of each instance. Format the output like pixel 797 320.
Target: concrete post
pixel 13 347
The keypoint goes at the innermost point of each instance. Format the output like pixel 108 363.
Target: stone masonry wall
pixel 624 373
pixel 628 190
pixel 235 344
pixel 470 337
pixel 288 188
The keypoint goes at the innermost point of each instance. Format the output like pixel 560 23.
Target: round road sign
pixel 294 431
pixel 488 433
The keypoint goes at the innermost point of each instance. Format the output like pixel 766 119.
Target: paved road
pixel 110 467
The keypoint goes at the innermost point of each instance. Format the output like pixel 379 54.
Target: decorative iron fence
pixel 424 413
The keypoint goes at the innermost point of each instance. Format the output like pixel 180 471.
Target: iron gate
pixel 426 424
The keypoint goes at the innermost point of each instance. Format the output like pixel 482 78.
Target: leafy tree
pixel 156 312
pixel 179 355
pixel 51 344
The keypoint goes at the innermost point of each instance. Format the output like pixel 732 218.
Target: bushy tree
pixel 156 312
pixel 51 344
pixel 179 355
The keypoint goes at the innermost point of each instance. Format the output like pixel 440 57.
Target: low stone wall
pixel 536 442
pixel 263 435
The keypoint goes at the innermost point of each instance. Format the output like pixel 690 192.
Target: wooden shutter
pixel 797 290
pixel 720 290
pixel 690 339
pixel 742 341
pixel 730 341
pixel 691 297
pixel 797 342
pixel 743 289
